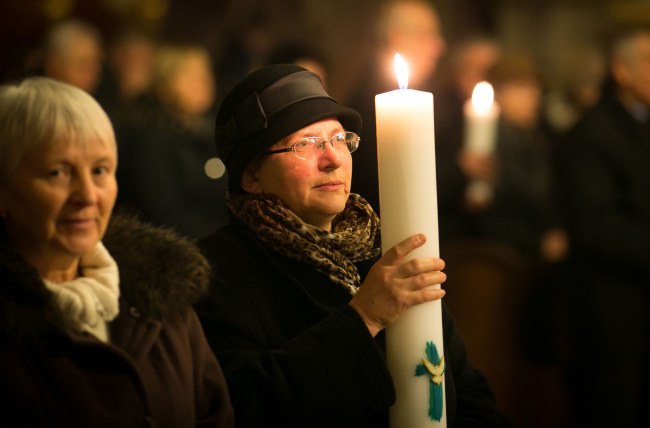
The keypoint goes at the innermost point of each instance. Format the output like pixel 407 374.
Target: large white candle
pixel 408 198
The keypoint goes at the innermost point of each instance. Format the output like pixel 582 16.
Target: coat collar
pixel 161 274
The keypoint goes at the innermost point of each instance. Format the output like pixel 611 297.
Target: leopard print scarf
pixel 354 237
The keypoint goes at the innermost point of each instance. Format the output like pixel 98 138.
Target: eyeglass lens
pixel 343 141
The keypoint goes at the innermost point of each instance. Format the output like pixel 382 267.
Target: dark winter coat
pixel 524 206
pixel 295 354
pixel 605 165
pixel 158 369
pixel 162 173
pixel 606 183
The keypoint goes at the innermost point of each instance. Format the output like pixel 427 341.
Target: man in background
pixel 73 54
pixel 606 180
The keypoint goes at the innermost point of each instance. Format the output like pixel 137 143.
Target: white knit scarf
pixel 91 300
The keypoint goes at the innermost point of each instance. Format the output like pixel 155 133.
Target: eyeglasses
pixel 306 148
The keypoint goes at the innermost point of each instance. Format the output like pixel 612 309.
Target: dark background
pixel 557 32
pixel 564 36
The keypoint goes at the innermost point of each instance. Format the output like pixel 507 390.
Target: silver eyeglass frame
pixel 352 144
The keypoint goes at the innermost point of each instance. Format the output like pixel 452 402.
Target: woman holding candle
pixel 300 296
pixel 96 323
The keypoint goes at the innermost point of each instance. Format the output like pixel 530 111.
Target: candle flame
pixel 482 97
pixel 402 71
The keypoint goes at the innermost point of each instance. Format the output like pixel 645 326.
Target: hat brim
pixel 292 119
pixel 304 113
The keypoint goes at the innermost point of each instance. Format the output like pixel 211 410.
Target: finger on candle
pixel 416 266
pixel 422 273
pixel 399 251
pixel 424 295
pixel 424 280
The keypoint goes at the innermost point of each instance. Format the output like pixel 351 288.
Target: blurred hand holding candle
pixel 408 197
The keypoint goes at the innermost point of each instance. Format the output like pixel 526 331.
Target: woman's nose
pixel 84 190
pixel 330 155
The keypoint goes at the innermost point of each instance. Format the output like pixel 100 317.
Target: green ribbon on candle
pixel 434 367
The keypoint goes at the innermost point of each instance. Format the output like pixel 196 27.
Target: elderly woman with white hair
pixel 96 323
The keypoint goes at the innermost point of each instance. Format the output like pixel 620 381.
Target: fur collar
pixel 161 274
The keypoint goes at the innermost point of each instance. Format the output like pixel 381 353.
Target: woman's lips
pixel 78 222
pixel 331 185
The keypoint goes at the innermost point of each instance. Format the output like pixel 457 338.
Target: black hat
pixel 269 104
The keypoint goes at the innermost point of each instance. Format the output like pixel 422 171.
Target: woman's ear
pixel 249 181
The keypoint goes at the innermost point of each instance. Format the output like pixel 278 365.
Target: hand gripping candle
pixel 408 199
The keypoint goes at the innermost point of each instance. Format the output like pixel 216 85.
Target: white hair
pixel 39 111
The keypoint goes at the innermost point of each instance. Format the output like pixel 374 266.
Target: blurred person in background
pixel 96 320
pixel 129 71
pixel 248 42
pixel 522 213
pixel 302 54
pixel 467 63
pixel 73 53
pixel 170 174
pixel 523 208
pixel 606 186
pixel 506 264
pixel 565 105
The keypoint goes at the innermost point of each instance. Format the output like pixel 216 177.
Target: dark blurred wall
pixel 551 29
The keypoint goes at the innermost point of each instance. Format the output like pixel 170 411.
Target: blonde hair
pixel 396 15
pixel 623 45
pixel 169 60
pixel 63 35
pixel 39 111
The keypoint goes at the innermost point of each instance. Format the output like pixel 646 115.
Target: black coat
pixel 157 370
pixel 606 184
pixel 296 355
pixel 606 179
pixel 162 174
pixel 525 204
